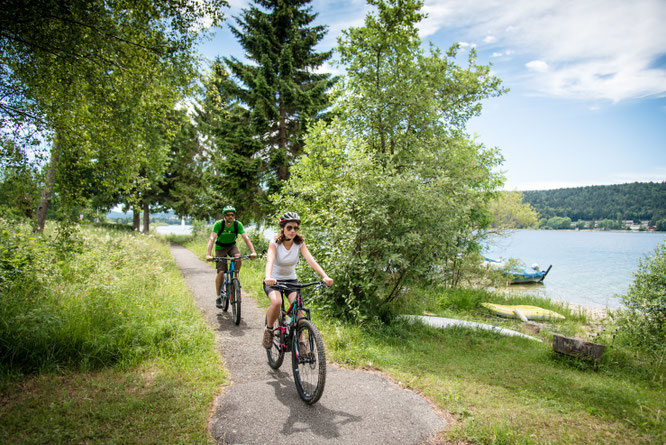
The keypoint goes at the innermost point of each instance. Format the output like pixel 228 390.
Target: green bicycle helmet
pixel 228 209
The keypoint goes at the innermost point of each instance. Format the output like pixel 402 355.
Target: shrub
pixel 558 223
pixel 258 239
pixel 642 321
pixel 200 228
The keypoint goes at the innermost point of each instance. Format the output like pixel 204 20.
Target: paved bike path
pixel 262 406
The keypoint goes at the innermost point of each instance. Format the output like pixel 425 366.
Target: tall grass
pixel 101 341
pixel 119 301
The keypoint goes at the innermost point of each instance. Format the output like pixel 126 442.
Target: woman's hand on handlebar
pixel 328 281
pixel 270 281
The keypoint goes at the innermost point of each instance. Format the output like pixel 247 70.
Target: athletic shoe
pixel 218 303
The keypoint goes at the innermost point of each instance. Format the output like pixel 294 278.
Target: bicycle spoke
pixel 276 353
pixel 308 362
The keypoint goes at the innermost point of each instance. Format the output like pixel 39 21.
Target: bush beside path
pixel 262 406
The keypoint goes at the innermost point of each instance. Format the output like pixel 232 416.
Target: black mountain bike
pixel 294 331
pixel 230 291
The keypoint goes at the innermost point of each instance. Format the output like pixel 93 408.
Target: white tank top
pixel 284 266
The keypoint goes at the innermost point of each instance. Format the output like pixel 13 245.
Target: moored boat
pixel 520 274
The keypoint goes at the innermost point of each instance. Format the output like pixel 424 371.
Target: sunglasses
pixel 295 228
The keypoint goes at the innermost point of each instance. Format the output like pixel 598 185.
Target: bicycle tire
pixel 236 301
pixel 225 299
pixel 309 369
pixel 276 353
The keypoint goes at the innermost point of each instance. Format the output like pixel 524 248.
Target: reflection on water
pixel 174 230
pixel 589 268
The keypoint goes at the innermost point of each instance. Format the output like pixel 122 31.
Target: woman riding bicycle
pixel 281 259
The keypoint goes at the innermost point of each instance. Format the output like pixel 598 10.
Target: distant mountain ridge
pixel 645 201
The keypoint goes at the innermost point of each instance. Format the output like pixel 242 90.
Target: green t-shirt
pixel 226 235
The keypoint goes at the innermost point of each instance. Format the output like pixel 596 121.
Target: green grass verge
pixel 501 390
pixel 104 344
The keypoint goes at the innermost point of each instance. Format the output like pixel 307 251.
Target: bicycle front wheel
pixel 276 353
pixel 236 301
pixel 225 298
pixel 308 361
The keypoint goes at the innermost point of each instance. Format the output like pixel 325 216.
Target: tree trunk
pixel 146 218
pixel 47 191
pixel 136 220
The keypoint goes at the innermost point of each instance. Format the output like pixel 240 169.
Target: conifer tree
pixel 281 87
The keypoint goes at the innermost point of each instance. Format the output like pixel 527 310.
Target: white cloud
pixel 467 45
pixel 489 39
pixel 537 65
pixel 596 49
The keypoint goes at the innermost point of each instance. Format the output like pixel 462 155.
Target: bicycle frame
pixel 230 289
pixel 296 307
pixel 231 271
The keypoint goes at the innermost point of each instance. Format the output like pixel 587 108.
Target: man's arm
pixel 211 243
pixel 246 238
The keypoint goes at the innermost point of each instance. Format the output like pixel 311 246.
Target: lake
pixel 589 268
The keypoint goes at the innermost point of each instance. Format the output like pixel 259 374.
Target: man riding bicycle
pixel 224 234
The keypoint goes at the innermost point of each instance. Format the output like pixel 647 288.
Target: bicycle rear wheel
pixel 276 353
pixel 308 361
pixel 235 301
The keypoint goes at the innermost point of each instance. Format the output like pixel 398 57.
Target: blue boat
pixel 520 274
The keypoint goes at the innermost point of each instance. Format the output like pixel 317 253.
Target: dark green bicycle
pixel 294 331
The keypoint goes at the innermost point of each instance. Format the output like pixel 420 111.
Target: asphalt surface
pixel 262 406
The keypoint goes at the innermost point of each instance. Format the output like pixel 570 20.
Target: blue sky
pixel 587 104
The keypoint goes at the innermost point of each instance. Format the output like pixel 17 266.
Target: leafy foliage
pixel 636 201
pixel 642 321
pixel 232 164
pixel 557 222
pixel 510 212
pixel 281 89
pixel 90 82
pixel 393 184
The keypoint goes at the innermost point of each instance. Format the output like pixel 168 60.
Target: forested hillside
pixel 635 201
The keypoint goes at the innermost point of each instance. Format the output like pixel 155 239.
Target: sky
pixel 587 80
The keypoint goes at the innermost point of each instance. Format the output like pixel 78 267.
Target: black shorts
pixel 269 289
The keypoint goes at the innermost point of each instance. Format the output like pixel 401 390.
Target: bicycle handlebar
pixel 230 258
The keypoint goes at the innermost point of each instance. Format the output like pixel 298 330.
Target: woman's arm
pixel 270 259
pixel 317 268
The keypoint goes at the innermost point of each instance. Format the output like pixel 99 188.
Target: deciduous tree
pixel 394 185
pixel 93 79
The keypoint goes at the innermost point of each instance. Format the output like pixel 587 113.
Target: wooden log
pixel 577 348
